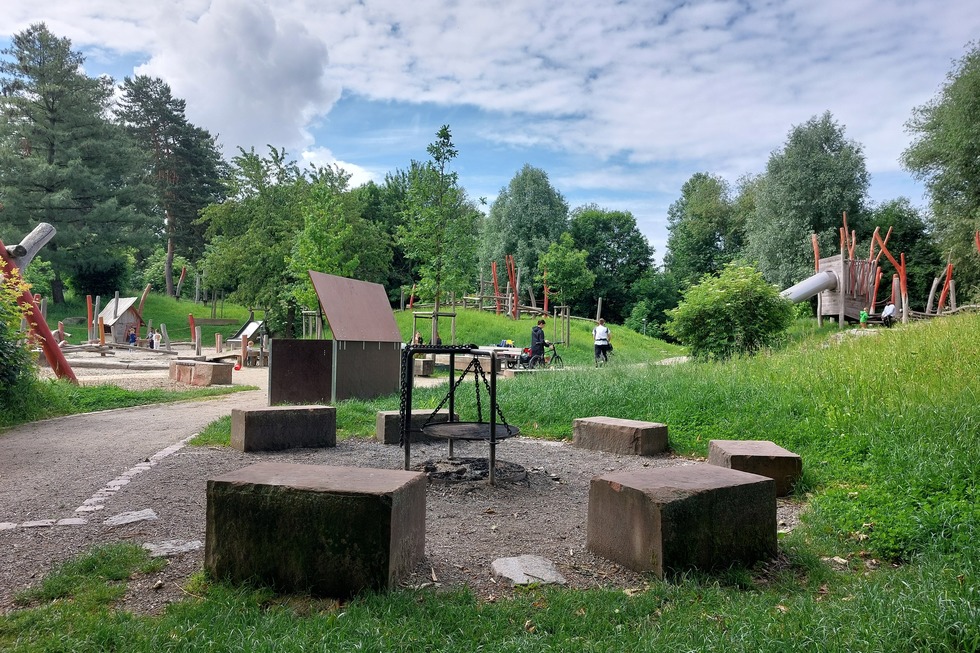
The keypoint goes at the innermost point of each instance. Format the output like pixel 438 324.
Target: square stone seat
pixel 200 373
pixel 758 457
pixel 388 431
pixel 673 518
pixel 272 428
pixel 329 531
pixel 620 436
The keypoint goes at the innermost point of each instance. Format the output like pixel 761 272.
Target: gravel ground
pixel 468 524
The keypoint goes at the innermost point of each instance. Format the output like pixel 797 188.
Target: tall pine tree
pixel 184 163
pixel 64 162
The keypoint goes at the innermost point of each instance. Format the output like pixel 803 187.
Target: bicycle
pixel 552 361
pixel 602 357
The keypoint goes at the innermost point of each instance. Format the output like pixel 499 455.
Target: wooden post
pixel 88 324
pixel 164 338
pixel 218 344
pixel 197 340
pixel 598 310
pixel 244 350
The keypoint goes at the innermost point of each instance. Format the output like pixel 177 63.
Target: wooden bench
pixel 329 531
pixel 671 518
pixel 758 457
pixel 271 428
pixel 620 436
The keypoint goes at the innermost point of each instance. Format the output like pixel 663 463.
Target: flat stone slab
pixel 201 373
pixel 388 429
pixel 620 436
pixel 527 570
pixel 273 428
pixel 329 531
pixel 169 548
pixel 760 457
pixel 131 517
pixel 673 518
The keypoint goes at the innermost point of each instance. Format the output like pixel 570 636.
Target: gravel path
pixel 63 481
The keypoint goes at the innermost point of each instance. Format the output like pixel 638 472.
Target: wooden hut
pixel 118 317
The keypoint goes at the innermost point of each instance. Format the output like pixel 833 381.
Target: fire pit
pixel 463 470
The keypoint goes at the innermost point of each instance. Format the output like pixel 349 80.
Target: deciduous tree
pixel 944 154
pixel 818 175
pixel 440 228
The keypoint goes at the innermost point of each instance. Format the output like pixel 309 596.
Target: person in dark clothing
pixel 538 341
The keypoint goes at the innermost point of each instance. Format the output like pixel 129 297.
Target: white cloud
pixel 321 157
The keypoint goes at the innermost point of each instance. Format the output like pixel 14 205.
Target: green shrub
pixel 15 360
pixel 736 312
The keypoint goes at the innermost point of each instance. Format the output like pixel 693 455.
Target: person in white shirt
pixel 601 339
pixel 888 314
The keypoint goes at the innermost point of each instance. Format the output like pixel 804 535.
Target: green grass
pixel 887 426
pixel 46 399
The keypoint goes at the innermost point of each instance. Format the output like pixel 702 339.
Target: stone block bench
pixel 388 431
pixel 424 366
pixel 621 436
pixel 758 457
pixel 329 531
pixel 200 373
pixel 272 428
pixel 666 518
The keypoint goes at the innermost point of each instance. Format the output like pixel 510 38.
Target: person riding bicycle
pixel 538 342
pixel 601 338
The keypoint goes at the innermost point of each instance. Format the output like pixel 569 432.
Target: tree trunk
pixel 57 289
pixel 435 320
pixel 290 318
pixel 169 265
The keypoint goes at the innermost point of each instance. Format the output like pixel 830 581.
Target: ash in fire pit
pixel 461 470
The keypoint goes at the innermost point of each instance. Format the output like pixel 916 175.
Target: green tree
pixel 253 234
pixel 618 255
pixel 63 162
pixel 567 273
pixel 656 293
pixel 336 238
pixel 817 176
pixel 384 205
pixel 525 219
pixel 944 154
pixel 440 228
pixel 184 167
pixel 910 235
pixel 736 312
pixel 704 232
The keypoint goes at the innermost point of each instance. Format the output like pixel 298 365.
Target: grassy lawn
pixel 888 427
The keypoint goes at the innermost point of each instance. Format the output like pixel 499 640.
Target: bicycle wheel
pixel 557 362
pixel 536 361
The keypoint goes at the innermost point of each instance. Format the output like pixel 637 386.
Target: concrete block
pixel 201 373
pixel 388 431
pixel 329 531
pixel 271 428
pixel 425 366
pixel 670 518
pixel 620 436
pixel 760 457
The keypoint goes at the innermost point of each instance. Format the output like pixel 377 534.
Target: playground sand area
pixel 540 512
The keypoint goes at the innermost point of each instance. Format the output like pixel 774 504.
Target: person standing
pixel 149 338
pixel 538 340
pixel 157 337
pixel 888 314
pixel 601 339
pixel 863 317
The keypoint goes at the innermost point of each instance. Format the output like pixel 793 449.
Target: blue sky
pixel 620 102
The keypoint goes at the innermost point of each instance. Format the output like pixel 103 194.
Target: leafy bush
pixel 15 360
pixel 737 312
pixel 102 277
